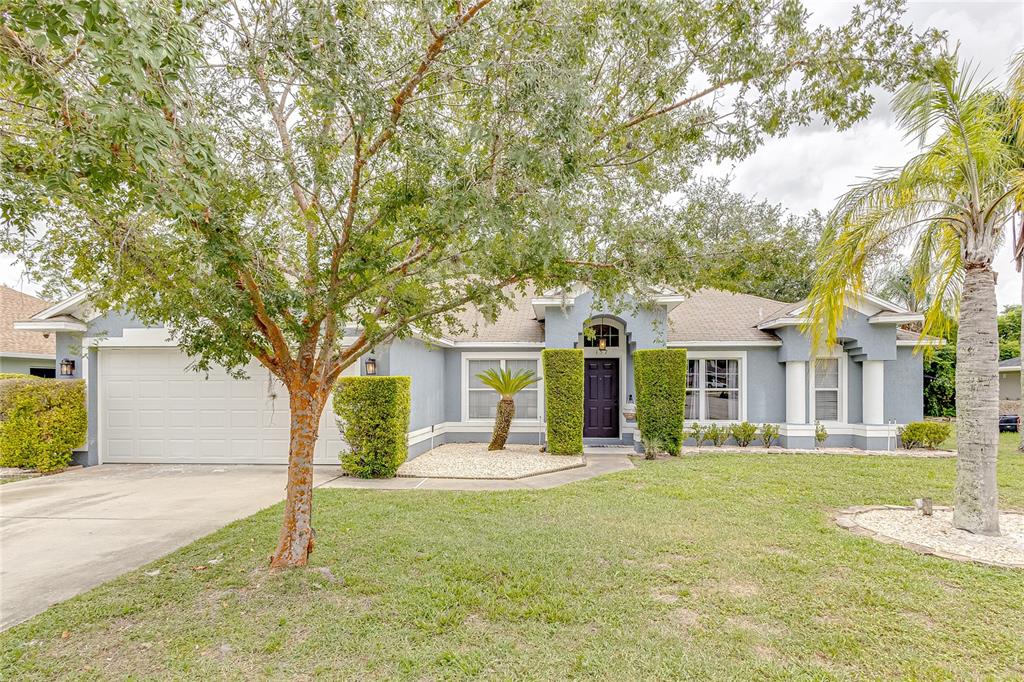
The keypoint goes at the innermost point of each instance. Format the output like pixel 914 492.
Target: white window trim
pixel 515 355
pixel 739 355
pixel 843 387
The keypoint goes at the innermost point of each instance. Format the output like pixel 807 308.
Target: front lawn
pixel 714 566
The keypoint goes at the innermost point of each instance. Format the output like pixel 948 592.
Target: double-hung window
pixel 827 395
pixel 713 389
pixel 482 401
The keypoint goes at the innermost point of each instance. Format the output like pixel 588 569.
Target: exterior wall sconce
pixel 371 366
pixel 67 367
pixel 602 345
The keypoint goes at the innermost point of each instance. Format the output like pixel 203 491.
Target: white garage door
pixel 154 409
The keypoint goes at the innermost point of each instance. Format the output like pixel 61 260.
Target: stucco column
pixel 874 392
pixel 796 392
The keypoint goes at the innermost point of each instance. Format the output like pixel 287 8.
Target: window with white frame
pixel 827 393
pixel 713 389
pixel 482 401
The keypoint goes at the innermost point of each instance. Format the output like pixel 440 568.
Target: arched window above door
pixel 607 332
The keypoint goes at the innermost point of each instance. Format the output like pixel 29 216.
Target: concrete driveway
pixel 62 535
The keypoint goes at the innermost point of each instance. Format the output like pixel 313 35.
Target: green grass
pixel 708 567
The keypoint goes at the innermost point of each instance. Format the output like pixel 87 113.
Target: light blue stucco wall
pixel 904 387
pixel 426 366
pixel 645 327
pixel 859 337
pixel 23 365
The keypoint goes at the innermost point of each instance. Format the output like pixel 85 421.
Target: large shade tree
pixel 297 181
pixel 953 201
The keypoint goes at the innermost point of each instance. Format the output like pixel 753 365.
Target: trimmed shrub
pixel 820 433
pixel 14 375
pixel 926 434
pixel 698 433
pixel 42 421
pixel 743 433
pixel 563 398
pixel 660 376
pixel 769 434
pixel 373 415
pixel 717 434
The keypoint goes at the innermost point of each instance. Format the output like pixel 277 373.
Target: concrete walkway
pixel 598 461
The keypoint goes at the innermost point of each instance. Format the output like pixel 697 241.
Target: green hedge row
pixel 563 399
pixel 373 416
pixel 660 377
pixel 42 421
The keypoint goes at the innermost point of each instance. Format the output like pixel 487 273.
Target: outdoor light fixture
pixel 67 367
pixel 371 366
pixel 602 344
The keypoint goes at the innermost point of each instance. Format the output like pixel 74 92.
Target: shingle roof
pixel 15 307
pixel 715 315
pixel 516 324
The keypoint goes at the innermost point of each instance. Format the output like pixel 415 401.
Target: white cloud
pixel 811 167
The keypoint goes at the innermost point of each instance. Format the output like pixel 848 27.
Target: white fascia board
pixel 62 307
pixel 47 326
pixel 1010 369
pixel 926 342
pixel 29 356
pixel 723 344
pixel 144 337
pixel 897 319
pixel 541 303
pixel 782 322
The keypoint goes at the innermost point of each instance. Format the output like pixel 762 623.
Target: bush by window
pixel 660 377
pixel 373 416
pixel 924 434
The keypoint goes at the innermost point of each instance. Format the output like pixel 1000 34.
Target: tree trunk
pixel 975 497
pixel 502 423
pixel 297 536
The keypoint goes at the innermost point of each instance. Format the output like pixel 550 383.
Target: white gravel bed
pixel 935 534
pixel 776 450
pixel 473 460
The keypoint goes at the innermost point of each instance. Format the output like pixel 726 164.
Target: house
pixel 23 352
pixel 1009 379
pixel 748 360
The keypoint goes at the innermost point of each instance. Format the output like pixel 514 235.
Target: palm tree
pixel 506 384
pixel 953 201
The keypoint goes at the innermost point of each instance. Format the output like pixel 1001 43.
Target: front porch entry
pixel 601 398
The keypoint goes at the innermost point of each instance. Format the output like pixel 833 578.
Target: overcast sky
pixel 812 166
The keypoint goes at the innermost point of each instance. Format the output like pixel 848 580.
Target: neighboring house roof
pixel 710 315
pixel 15 306
pixel 1010 365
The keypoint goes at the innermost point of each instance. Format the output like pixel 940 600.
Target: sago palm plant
pixel 952 202
pixel 506 384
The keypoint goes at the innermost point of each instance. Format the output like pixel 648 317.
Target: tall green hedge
pixel 42 421
pixel 660 377
pixel 563 399
pixel 373 413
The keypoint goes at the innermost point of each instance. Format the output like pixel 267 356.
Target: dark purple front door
pixel 601 398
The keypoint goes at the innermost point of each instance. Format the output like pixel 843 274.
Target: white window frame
pixel 841 356
pixel 741 356
pixel 512 355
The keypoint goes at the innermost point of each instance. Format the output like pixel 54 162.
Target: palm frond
pixel 505 383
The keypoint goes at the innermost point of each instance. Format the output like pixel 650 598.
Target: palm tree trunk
pixel 1020 375
pixel 975 497
pixel 502 423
